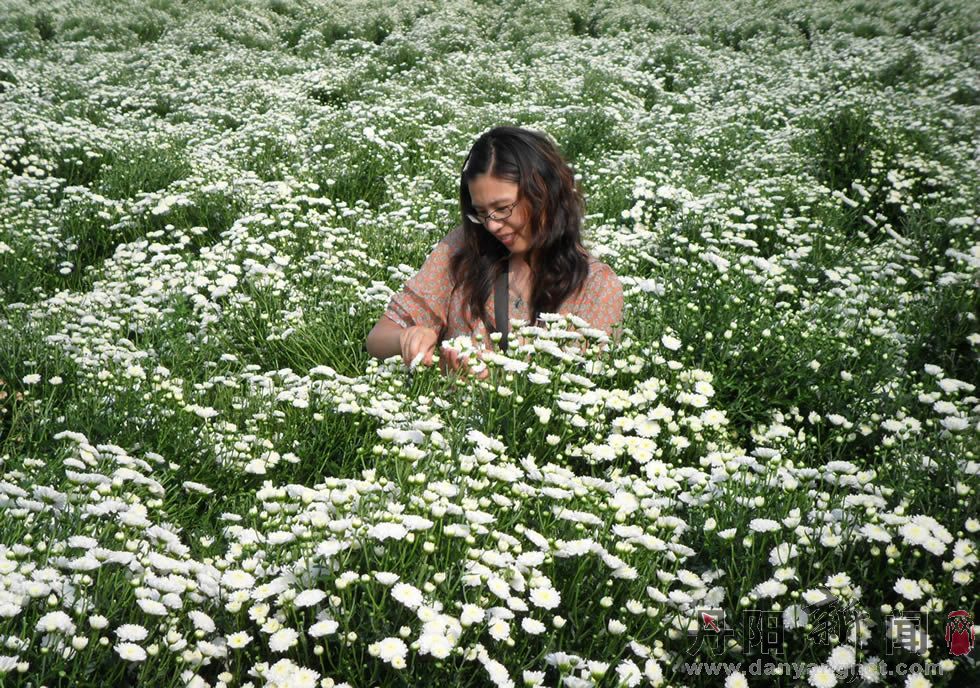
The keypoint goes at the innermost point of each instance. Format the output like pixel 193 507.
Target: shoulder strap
pixel 500 306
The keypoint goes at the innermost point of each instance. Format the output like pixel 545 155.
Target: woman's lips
pixel 507 239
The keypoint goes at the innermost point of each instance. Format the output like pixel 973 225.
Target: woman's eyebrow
pixel 499 201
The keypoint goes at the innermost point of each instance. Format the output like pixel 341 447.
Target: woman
pixel 521 206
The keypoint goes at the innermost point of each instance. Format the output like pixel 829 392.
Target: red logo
pixel 709 621
pixel 959 632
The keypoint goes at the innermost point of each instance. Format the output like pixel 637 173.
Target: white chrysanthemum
pixel 545 598
pixel 471 614
pixel 132 633
pixel 201 621
pixel 654 672
pixel 56 622
pixel 671 343
pixel 954 424
pixel 386 577
pixel 736 679
pixel 629 674
pixel 917 681
pixel 408 595
pixel 152 607
pixel 387 531
pixel 764 525
pixel 870 671
pixel 532 626
pixel 769 588
pixel 392 649
pixel 436 644
pixel 283 639
pixel 841 657
pixel 822 676
pixel 237 641
pixel 499 629
pixel 308 598
pixel 322 628
pixel 131 652
pixel 794 616
pixel 238 579
pixel 908 589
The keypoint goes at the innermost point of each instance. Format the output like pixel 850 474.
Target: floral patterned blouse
pixel 425 298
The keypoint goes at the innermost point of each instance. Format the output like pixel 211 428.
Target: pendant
pixel 518 302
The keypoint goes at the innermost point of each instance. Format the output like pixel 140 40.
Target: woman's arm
pixel 388 338
pixel 384 340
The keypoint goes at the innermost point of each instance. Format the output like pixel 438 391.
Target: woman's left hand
pixel 452 360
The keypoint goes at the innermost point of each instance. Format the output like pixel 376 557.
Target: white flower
pixel 322 628
pixel 56 621
pixel 407 594
pixel 629 673
pixel 671 343
pixel 471 614
pixel 769 588
pixel 308 598
pixel 841 657
pixel 201 621
pixel 736 679
pixel 31 379
pixel 386 577
pixel 794 616
pixel 763 525
pixel 917 680
pixel 283 639
pixel 131 633
pixel 392 649
pixel 131 652
pixel 532 626
pixel 386 531
pixel 238 579
pixel 152 607
pixel 871 670
pixel 654 672
pixel 237 641
pixel 908 589
pixel 545 598
pixel 499 629
pixel 822 676
pixel 955 423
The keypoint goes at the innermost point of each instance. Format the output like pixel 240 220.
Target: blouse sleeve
pixel 601 301
pixel 424 299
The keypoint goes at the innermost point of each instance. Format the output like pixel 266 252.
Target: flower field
pixel 206 481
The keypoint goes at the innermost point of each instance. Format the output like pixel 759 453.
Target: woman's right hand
pixel 418 339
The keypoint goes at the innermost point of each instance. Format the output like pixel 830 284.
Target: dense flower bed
pixel 204 479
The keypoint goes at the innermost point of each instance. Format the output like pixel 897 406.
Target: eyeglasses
pixel 501 214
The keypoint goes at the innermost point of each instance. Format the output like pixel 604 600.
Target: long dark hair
pixel 557 257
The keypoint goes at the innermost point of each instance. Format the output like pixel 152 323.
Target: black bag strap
pixel 501 303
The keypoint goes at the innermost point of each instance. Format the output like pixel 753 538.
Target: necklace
pixel 519 301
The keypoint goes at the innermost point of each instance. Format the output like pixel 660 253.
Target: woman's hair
pixel 557 257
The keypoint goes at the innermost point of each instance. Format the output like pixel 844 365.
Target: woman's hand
pixel 415 340
pixel 452 360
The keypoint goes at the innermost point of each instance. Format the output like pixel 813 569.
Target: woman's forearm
pixel 384 340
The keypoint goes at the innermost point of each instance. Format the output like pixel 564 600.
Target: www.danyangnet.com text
pixel 799 670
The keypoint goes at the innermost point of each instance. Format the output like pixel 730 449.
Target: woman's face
pixel 489 194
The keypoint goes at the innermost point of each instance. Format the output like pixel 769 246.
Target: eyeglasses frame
pixel 474 217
